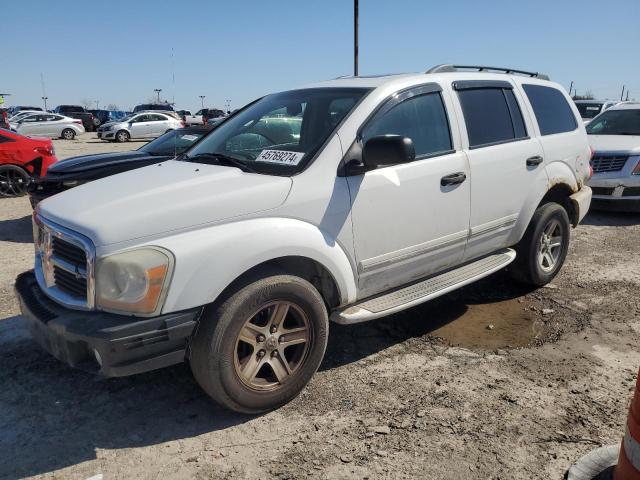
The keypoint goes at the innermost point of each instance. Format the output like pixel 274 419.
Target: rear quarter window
pixel 552 111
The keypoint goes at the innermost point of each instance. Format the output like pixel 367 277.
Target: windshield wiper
pixel 223 159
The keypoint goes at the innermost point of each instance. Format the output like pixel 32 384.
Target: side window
pixel 422 118
pixel 6 139
pixel 157 118
pixel 553 113
pixel 141 118
pixel 492 116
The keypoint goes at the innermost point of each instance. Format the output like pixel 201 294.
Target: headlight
pixel 636 170
pixel 133 282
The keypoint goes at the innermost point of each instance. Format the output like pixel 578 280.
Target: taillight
pixel 590 171
pixel 593 152
pixel 183 123
pixel 79 122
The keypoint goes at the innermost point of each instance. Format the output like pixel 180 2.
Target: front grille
pixel 631 192
pixel 69 252
pixel 602 190
pixel 70 283
pixel 69 267
pixel 608 163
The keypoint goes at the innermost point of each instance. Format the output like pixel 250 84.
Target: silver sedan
pixel 140 125
pixel 48 125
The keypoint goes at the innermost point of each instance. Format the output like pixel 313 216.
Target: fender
pixel 554 173
pixel 209 260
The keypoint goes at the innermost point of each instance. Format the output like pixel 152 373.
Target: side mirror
pixel 386 150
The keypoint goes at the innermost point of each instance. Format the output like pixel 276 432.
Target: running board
pixel 423 291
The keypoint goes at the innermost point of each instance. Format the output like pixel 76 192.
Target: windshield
pixel 589 110
pixel 174 142
pixel 616 122
pixel 280 133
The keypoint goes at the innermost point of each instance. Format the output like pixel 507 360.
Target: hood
pixel 626 144
pixel 91 162
pixel 166 197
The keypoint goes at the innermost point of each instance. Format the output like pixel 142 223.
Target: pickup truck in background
pixel 76 111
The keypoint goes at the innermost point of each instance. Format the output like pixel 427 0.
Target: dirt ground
pixel 491 382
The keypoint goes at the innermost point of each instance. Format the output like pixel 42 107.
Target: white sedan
pixel 48 125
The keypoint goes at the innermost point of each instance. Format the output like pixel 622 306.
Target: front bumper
pixel 106 135
pixel 617 194
pixel 104 343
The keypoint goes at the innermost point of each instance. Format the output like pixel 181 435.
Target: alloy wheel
pixel 272 345
pixel 550 246
pixel 13 182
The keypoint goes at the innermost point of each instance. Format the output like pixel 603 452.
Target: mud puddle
pixel 491 326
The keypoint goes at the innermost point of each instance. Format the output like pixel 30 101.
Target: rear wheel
pixel 122 136
pixel 14 181
pixel 68 134
pixel 257 349
pixel 543 249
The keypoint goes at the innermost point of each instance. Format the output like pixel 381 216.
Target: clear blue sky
pixel 118 51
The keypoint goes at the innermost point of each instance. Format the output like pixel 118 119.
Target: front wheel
pixel 122 136
pixel 14 181
pixel 257 349
pixel 543 249
pixel 68 134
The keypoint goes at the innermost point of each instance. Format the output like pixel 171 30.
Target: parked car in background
pixel 589 109
pixel 79 170
pixel 211 114
pixel 22 114
pixel 104 116
pixel 236 257
pixel 76 111
pixel 190 119
pixel 22 158
pixel 144 107
pixel 139 125
pixel 49 125
pixel 614 136
pixel 21 108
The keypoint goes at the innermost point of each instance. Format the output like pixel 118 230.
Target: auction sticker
pixel 281 157
pixel 189 138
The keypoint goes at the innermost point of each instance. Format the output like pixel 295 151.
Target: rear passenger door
pixel 505 161
pixel 158 124
pixel 407 221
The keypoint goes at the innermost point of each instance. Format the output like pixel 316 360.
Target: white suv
pixel 346 200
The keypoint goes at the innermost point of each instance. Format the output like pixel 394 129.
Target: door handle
pixel 535 160
pixel 453 179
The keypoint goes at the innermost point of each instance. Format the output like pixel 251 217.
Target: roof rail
pixel 447 67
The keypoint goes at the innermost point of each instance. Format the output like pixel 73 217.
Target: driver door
pixel 406 223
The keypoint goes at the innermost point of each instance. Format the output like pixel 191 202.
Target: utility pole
pixel 570 87
pixel 45 98
pixel 627 99
pixel 158 90
pixel 228 105
pixel 355 38
pixel 622 94
pixel 202 100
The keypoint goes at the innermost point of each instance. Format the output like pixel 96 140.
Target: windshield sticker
pixel 281 157
pixel 189 138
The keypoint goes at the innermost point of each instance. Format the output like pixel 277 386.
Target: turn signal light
pixel 636 170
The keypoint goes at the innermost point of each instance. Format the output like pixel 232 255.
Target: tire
pixel 68 134
pixel 221 361
pixel 96 122
pixel 538 258
pixel 122 136
pixel 14 181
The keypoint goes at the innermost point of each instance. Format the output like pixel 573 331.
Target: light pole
pixel 45 102
pixel 158 90
pixel 355 38
pixel 202 100
pixel 228 102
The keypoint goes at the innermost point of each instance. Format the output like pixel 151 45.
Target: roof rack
pixel 447 67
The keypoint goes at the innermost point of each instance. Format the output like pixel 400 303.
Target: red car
pixel 22 158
